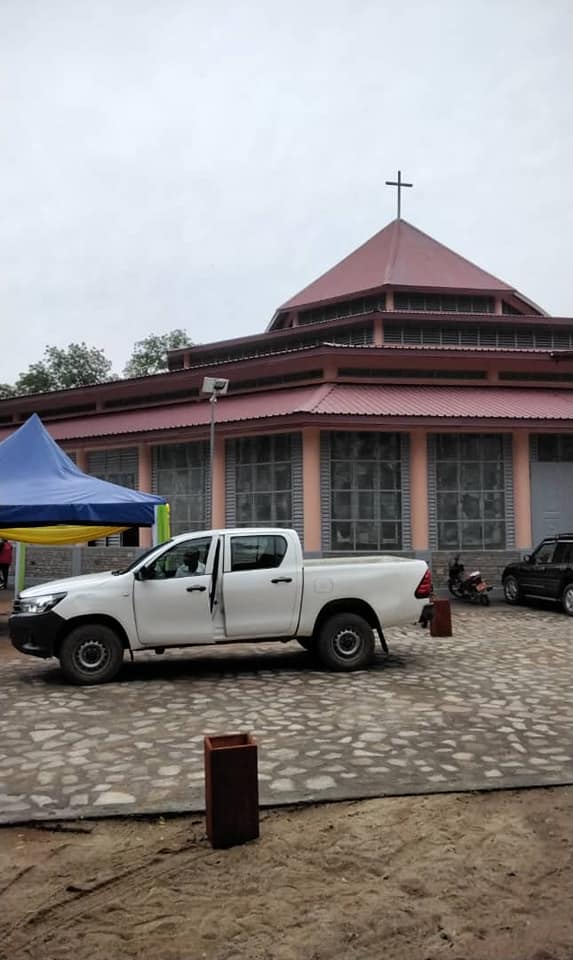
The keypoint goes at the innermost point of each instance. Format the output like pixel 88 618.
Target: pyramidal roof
pixel 400 255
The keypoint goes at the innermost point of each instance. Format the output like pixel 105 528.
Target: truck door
pixel 172 597
pixel 262 585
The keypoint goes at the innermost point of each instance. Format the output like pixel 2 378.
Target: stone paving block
pixel 490 707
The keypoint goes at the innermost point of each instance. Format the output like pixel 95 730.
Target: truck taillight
pixel 424 588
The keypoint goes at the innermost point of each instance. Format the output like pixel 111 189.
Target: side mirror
pixel 144 573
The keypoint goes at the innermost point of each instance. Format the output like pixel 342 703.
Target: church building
pixel 404 402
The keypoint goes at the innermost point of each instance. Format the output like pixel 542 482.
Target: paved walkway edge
pixel 306 799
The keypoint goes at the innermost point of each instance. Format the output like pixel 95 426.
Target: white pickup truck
pixel 221 586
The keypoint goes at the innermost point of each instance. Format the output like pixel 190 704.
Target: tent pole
pixel 20 573
pixel 163 524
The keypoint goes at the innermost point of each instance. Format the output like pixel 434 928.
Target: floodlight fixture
pixel 215 386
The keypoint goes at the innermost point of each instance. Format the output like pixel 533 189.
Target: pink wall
pixel 144 485
pixel 218 500
pixel 419 489
pixel 311 488
pixel 521 489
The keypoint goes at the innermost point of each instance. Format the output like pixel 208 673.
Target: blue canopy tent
pixel 45 498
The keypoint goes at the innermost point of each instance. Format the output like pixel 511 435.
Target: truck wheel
pixel 91 653
pixel 511 590
pixel 346 642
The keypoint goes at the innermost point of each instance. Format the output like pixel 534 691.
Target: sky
pixel 195 163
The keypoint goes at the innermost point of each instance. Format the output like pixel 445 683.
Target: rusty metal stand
pixel 441 622
pixel 231 789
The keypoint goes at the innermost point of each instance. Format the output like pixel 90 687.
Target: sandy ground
pixel 460 876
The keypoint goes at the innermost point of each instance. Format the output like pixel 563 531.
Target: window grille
pixel 470 491
pixel 180 473
pixel 365 491
pixel 443 302
pixel 419 374
pixel 552 447
pixel 481 335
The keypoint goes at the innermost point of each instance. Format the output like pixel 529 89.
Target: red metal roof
pixel 453 402
pixel 400 255
pixel 471 404
pixel 255 406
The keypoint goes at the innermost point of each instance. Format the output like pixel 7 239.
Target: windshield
pixel 135 563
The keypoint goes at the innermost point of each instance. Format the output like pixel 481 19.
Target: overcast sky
pixel 187 163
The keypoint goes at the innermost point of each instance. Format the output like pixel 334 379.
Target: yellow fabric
pixel 58 535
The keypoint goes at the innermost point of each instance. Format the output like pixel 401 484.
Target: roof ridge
pixel 393 250
pixel 320 394
pixel 459 256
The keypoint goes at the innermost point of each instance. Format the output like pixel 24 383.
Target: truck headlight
pixel 39 604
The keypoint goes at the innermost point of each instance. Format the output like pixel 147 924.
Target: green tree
pixel 6 391
pixel 150 355
pixel 76 365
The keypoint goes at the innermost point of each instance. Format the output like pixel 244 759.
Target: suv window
pixel 544 553
pixel 257 552
pixel 563 552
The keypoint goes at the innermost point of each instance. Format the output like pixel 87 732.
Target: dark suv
pixel 547 573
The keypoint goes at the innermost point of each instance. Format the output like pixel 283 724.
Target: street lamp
pixel 215 387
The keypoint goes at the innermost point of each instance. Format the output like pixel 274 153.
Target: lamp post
pixel 214 387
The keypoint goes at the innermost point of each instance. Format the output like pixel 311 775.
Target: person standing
pixel 5 562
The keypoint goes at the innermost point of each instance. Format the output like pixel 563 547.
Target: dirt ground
pixel 474 876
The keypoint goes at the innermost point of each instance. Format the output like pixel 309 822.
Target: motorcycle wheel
pixel 456 590
pixel 484 600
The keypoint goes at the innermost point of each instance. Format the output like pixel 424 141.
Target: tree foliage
pixel 76 365
pixel 150 354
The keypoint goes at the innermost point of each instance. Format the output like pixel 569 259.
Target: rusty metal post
pixel 441 622
pixel 231 789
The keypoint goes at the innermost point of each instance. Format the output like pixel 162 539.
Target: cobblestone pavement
pixel 490 707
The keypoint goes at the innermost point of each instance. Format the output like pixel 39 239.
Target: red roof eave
pixel 332 404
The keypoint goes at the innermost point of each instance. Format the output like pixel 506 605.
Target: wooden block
pixel 231 789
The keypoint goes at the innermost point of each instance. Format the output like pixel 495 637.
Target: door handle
pixel 282 580
pixel 196 589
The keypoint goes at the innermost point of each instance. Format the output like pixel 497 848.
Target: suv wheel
pixel 511 589
pixel 567 599
pixel 91 653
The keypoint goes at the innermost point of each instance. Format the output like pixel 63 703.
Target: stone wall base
pixel 55 563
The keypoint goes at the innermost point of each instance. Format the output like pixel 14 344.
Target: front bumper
pixel 36 633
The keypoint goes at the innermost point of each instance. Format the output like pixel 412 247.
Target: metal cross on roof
pixel 399 183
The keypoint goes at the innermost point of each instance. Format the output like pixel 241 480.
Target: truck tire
pixel 91 653
pixel 346 642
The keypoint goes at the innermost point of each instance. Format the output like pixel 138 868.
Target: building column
pixel 311 489
pixel 218 481
pixel 144 486
pixel 521 489
pixel 419 489
pixel 378 332
pixel 82 460
pixel 330 371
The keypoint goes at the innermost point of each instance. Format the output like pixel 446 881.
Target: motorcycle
pixel 471 586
